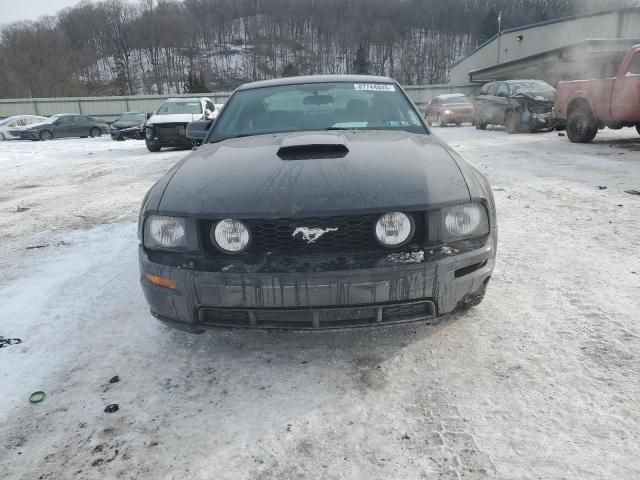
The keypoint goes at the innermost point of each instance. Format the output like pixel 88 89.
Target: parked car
pixel 519 105
pixel 588 105
pixel 129 125
pixel 167 127
pixel 453 108
pixel 316 202
pixel 11 128
pixel 65 125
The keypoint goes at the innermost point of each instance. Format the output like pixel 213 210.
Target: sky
pixel 15 10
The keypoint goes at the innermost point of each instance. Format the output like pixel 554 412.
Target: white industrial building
pixel 583 46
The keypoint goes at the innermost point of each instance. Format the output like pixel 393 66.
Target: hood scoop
pixel 313 147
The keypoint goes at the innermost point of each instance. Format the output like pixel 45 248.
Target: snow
pixel 539 381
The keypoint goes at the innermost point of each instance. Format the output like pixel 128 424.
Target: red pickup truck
pixel 588 105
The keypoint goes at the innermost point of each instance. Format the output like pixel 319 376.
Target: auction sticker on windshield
pixel 374 87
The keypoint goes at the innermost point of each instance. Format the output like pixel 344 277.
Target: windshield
pixel 316 106
pixel 171 108
pixel 5 121
pixel 132 117
pixel 455 101
pixel 539 87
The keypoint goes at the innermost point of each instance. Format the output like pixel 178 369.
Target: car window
pixel 503 90
pixel 461 100
pixel 65 120
pixel 532 86
pixel 171 108
pixel 317 106
pixel 491 90
pixel 132 117
pixel 634 66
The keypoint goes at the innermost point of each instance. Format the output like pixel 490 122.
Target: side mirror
pixel 198 130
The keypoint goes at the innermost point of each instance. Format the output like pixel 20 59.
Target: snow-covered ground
pixel 540 381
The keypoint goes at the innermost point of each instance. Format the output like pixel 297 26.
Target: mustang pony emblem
pixel 312 234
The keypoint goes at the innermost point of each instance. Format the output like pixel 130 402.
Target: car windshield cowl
pixel 316 107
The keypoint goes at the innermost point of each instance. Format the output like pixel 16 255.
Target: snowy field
pixel 541 381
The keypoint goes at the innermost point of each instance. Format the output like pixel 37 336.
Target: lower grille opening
pixel 461 272
pixel 321 318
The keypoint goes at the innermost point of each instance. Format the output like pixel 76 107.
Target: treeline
pixel 115 47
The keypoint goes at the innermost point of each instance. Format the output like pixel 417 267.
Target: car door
pixel 82 126
pixel 63 127
pixel 625 102
pixel 500 103
pixel 483 101
pixel 432 110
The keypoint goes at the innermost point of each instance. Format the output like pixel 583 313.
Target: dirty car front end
pixel 352 226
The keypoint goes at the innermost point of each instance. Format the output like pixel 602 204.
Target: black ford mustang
pixel 316 202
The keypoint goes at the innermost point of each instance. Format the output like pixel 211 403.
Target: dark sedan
pixel 522 106
pixel 129 125
pixel 316 202
pixel 65 125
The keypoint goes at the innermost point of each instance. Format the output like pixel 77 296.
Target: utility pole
pixel 499 35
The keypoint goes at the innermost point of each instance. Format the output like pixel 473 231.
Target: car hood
pixel 37 125
pixel 120 125
pixel 174 118
pixel 537 96
pixel 382 171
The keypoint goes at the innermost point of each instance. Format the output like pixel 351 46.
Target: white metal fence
pixel 111 107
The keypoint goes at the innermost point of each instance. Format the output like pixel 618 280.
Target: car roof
pixel 451 95
pixel 276 82
pixel 186 99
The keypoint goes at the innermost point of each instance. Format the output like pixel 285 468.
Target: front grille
pixel 540 107
pixel 354 234
pixel 322 318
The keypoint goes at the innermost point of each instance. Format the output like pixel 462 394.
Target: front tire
pixel 45 135
pixel 511 122
pixel 479 125
pixel 152 147
pixel 581 126
pixel 95 132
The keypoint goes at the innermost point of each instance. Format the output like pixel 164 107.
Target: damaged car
pixel 129 125
pixel 167 127
pixel 316 203
pixel 522 106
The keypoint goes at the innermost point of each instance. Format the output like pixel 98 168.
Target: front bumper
pixel 418 287
pixel 30 135
pixel 457 117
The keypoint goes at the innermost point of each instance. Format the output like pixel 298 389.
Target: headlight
pixel 148 132
pixel 394 229
pixel 465 220
pixel 231 236
pixel 447 112
pixel 164 232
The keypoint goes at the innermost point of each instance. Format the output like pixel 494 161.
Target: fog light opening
pixel 461 272
pixel 161 281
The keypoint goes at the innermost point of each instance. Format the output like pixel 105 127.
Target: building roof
pixel 547 22
pixel 592 46
pixel 316 79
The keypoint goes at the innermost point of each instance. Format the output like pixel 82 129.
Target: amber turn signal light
pixel 161 281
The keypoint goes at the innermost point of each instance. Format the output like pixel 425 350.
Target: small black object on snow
pixel 111 408
pixel 114 379
pixel 22 209
pixel 602 187
pixel 561 134
pixel 632 192
pixel 5 342
pixel 406 437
